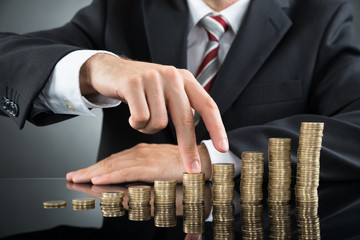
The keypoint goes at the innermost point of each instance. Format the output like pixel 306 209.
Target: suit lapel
pixel 166 25
pixel 264 26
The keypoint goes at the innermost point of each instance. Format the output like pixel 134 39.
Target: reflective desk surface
pixel 22 215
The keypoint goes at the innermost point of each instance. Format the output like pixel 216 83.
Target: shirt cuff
pixel 61 93
pixel 218 157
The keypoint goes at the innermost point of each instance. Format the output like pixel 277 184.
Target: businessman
pixel 267 64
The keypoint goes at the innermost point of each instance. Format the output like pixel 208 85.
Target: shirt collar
pixel 234 14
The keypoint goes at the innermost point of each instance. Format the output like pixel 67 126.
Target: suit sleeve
pixel 334 100
pixel 27 60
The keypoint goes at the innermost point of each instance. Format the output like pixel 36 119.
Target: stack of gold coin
pixel 83 203
pixel 280 220
pixel 308 227
pixel 139 203
pixel 193 186
pixel 194 218
pixel 307 180
pixel 251 195
pixel 279 193
pixel 223 183
pixel 279 170
pixel 193 203
pixel 223 221
pixel 252 171
pixel 223 200
pixel 165 203
pixel 54 204
pixel 111 204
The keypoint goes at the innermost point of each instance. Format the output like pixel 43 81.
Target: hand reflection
pixel 97 190
pixel 193 237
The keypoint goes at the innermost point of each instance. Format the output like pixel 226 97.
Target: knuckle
pixel 172 75
pixel 171 71
pixel 152 76
pixel 123 173
pixel 160 122
pixel 140 147
pixel 135 81
pixel 141 118
pixel 190 148
pixel 186 73
pixel 188 120
pixel 209 106
pixel 212 105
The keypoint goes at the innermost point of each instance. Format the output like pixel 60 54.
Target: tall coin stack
pixel 83 204
pixel 307 180
pixel 279 194
pixel 251 195
pixel 165 203
pixel 139 203
pixel 194 203
pixel 111 204
pixel 223 200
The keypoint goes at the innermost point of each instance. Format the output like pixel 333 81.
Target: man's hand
pixel 144 162
pixel 152 91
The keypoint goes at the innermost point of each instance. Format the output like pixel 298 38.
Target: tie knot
pixel 215 26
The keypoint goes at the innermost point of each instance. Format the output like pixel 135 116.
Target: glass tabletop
pixel 23 216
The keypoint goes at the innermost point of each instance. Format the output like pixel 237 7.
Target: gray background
pixel 53 150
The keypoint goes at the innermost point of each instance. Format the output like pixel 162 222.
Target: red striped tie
pixel 215 27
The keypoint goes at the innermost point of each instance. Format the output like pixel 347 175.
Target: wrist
pixel 205 161
pixel 85 77
pixel 88 70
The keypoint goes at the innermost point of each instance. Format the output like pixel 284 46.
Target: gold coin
pixel 54 204
pixel 83 201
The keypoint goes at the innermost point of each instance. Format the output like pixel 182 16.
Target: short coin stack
pixel 279 188
pixel 111 204
pixel 83 204
pixel 251 195
pixel 194 202
pixel 223 200
pixel 54 204
pixel 165 203
pixel 307 180
pixel 139 203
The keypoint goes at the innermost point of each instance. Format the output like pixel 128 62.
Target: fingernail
pixel 224 144
pixel 195 166
pixel 70 175
pixel 95 180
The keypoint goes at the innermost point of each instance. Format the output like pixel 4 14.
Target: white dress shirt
pixel 62 94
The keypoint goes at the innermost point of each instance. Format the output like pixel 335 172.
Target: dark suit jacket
pixel 292 61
